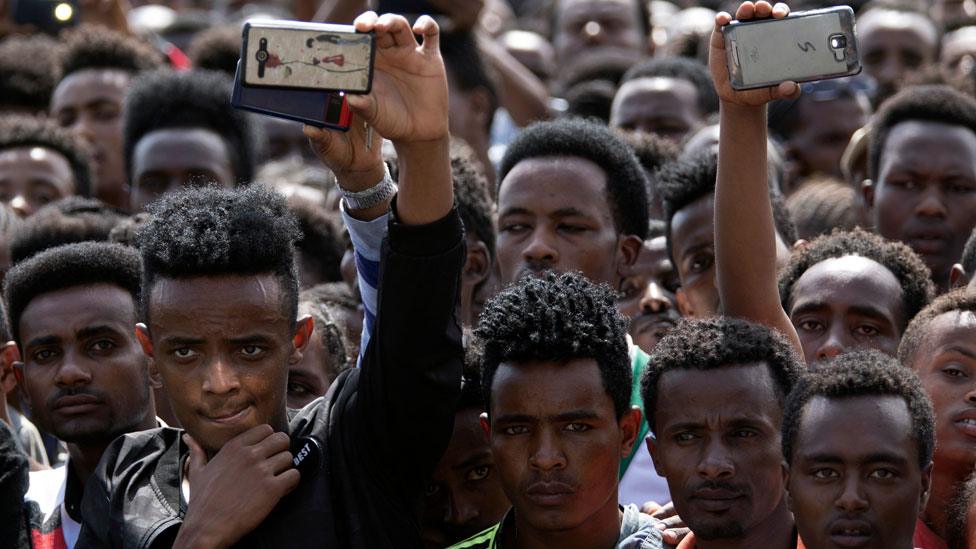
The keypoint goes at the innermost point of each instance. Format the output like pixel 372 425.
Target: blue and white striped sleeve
pixel 367 241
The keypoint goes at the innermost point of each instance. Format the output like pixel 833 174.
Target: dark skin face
pixel 946 364
pixel 465 495
pixel 647 295
pixel 557 445
pixel 958 57
pixel 83 371
pixel 89 104
pixel 925 195
pixel 554 213
pixel 693 250
pixel 311 376
pixel 167 160
pixel 846 303
pixel 855 478
pixel 222 346
pixel 718 444
pixel 583 25
pixel 894 46
pixel 818 143
pixel 31 177
pixel 664 106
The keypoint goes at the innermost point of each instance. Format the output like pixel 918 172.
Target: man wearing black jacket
pixel 220 291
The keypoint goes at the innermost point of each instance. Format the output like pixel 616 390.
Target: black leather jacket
pixel 370 444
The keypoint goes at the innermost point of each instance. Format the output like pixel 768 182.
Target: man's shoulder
pixel 140 451
pixel 483 540
pixel 639 530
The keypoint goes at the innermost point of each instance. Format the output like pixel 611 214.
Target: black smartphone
pixel 49 16
pixel 314 107
pixel 412 7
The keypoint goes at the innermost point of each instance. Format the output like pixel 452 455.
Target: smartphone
pixel 49 16
pixel 314 107
pixel 804 46
pixel 310 56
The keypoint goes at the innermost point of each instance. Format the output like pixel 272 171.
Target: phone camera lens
pixel 262 55
pixel 838 42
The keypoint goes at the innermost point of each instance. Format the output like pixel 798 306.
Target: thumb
pixel 198 458
pixel 363 105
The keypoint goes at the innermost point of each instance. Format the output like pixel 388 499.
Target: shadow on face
pixel 647 295
pixel 587 25
pixel 895 46
pixel 664 106
pixel 31 177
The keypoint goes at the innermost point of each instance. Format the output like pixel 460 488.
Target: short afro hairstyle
pixel 681 68
pixel 821 205
pixel 591 100
pixel 163 99
pixel 472 396
pixel 912 274
pixel 216 49
pixel 91 47
pixel 856 374
pixel 962 300
pixel 474 203
pixel 71 219
pixel 466 68
pixel 694 177
pixel 653 152
pixel 28 73
pixel 626 182
pixel 968 259
pixel 28 131
pixel 714 343
pixel 321 244
pixel 207 231
pixel 918 104
pixel 557 317
pixel 69 266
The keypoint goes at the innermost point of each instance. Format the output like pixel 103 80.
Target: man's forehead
pixel 546 387
pixel 554 180
pixel 683 390
pixel 576 8
pixel 257 292
pixel 75 308
pixel 881 424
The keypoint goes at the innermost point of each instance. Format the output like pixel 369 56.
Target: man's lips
pixel 645 323
pixel 76 404
pixel 716 499
pixel 965 421
pixel 850 533
pixel 549 493
pixel 929 241
pixel 227 417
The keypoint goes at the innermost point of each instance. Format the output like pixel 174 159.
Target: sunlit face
pixel 31 177
pixel 664 106
pixel 586 25
pixel 894 46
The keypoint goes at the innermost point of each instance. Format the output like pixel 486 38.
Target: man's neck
pixel 946 480
pixel 602 529
pixel 777 531
pixel 82 459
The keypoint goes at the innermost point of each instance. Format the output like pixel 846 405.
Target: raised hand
pixel 223 507
pixel 717 62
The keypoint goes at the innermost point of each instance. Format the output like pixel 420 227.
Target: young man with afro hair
pixel 220 308
pixel 96 67
pixel 180 129
pixel 556 378
pixel 714 395
pixel 40 163
pixel 922 174
pixel 573 197
pixel 849 290
pixel 940 346
pixel 858 439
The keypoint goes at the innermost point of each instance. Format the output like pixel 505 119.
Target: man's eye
pixel 184 353
pixel 431 490
pixel 684 437
pixel 578 427
pixel 629 288
pixel 883 474
pixel 103 345
pixel 514 228
pixel 824 474
pixel 479 473
pixel 954 371
pixel 745 433
pixel 572 229
pixel 810 325
pixel 907 185
pixel 42 355
pixel 700 263
pixel 252 351
pixel 298 389
pixel 867 330
pixel 516 430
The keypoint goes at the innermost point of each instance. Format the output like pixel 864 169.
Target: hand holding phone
pixel 718 58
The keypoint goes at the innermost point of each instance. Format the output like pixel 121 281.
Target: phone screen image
pixel 305 59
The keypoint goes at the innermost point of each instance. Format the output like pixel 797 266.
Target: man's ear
pixel 485 425
pixel 477 264
pixel 684 306
pixel 9 357
pixel 630 426
pixel 304 329
pixel 145 341
pixel 652 448
pixel 155 378
pixel 629 248
pixel 867 192
pixel 926 479
pixel 958 277
pixel 801 245
pixel 786 482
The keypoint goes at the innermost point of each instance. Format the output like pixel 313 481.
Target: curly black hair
pixel 208 231
pixel 694 177
pixel 968 259
pixel 919 104
pixel 961 300
pixel 820 205
pixel 321 244
pixel 94 47
pixel 466 68
pixel 471 191
pixel 908 268
pixel 591 100
pixel 28 131
pixel 216 49
pixel 714 343
pixel 557 317
pixel 28 72
pixel 472 396
pixel 681 68
pixel 165 99
pixel 626 182
pixel 862 373
pixel 653 152
pixel 71 219
pixel 69 266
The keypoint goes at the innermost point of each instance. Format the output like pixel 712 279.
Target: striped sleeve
pixel 367 240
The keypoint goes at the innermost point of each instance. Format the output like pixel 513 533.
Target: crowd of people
pixel 558 285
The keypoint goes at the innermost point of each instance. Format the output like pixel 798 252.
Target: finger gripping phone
pixel 802 47
pixel 309 56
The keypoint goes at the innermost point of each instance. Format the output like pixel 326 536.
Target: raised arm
pixel 745 234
